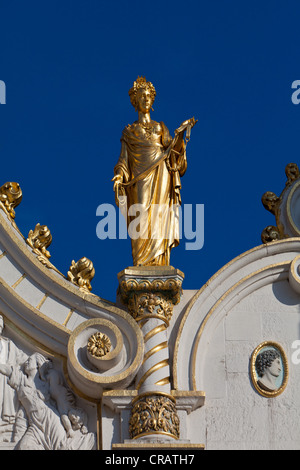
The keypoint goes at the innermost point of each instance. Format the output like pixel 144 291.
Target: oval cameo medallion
pixel 269 369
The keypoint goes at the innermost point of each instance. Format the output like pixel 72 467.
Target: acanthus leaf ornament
pixel 150 305
pixel 10 198
pixel 154 414
pixel 39 240
pixel 82 273
pixel 147 298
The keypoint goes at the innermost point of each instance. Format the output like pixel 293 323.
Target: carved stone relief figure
pixel 73 418
pixel 9 404
pixel 52 419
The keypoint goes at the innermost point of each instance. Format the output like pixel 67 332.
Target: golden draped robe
pixel 148 182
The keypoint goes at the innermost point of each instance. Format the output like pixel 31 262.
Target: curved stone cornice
pixel 253 269
pixel 15 246
pixel 45 306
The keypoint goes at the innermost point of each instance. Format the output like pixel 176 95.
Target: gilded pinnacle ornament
pixel 40 239
pixel 10 198
pixel 81 273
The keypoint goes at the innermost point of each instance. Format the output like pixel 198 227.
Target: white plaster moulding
pixel 263 278
pixel 32 321
pixel 49 280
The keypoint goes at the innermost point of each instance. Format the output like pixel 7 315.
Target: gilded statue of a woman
pixel 147 177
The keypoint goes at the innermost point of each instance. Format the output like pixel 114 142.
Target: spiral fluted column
pixel 150 294
pixel 154 373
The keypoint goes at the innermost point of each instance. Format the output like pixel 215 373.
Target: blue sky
pixel 68 66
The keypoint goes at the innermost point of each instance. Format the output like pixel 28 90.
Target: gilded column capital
pixel 150 292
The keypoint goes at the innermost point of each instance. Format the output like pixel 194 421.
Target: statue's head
pixel 265 361
pixel 39 362
pixel 142 94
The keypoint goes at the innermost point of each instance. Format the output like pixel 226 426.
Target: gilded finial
pixel 292 173
pixel 270 234
pixel 270 201
pixel 10 198
pixel 81 273
pixel 40 239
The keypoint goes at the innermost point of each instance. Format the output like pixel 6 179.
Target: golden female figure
pixel 148 174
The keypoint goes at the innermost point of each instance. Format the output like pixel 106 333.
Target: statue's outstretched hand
pixel 186 125
pixel 117 180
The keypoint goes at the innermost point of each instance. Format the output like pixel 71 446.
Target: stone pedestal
pixel 150 294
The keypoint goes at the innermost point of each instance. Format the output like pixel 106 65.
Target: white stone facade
pixel 247 303
pixel 211 338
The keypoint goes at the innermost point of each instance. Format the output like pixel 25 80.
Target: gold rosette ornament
pixel 99 345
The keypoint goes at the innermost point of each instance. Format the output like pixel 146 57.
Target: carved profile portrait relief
pixel 38 410
pixel 269 369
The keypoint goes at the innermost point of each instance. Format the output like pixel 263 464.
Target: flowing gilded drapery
pixel 148 182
